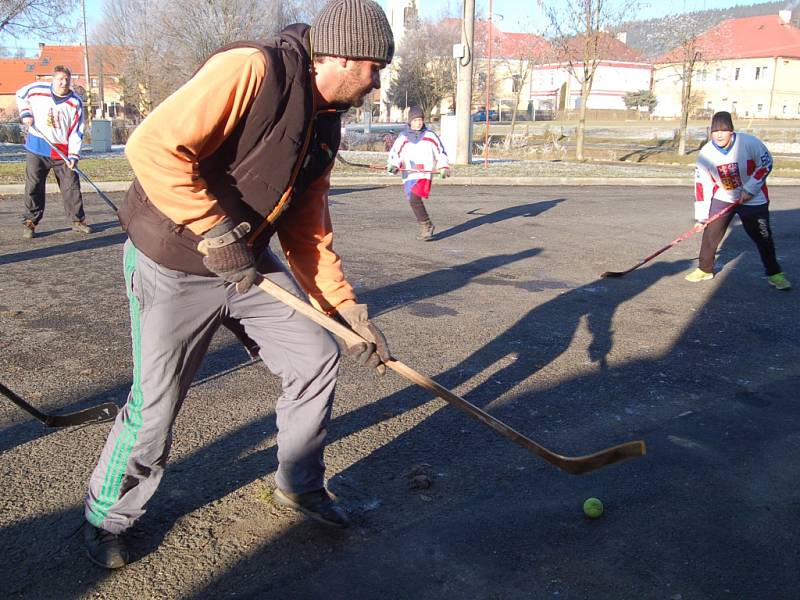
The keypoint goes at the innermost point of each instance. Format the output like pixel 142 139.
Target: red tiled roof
pixel 609 48
pixel 505 44
pixel 17 72
pixel 765 36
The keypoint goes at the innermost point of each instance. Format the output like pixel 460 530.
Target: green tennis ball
pixel 593 508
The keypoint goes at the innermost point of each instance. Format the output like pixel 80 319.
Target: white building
pixel 621 70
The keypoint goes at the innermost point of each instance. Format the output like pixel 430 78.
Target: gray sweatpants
pixel 173 317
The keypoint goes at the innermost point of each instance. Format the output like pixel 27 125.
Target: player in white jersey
pixel 732 169
pixel 418 153
pixel 54 115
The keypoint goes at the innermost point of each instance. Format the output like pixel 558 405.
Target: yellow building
pixel 749 67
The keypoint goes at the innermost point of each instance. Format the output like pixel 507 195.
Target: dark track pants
pixel 755 220
pixel 173 317
pixel 418 208
pixel 36 171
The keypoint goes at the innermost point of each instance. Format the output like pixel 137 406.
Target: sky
pixel 509 15
pixel 518 15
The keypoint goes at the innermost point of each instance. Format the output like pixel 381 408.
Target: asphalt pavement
pixel 506 308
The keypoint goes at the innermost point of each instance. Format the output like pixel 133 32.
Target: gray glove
pixel 373 353
pixel 228 255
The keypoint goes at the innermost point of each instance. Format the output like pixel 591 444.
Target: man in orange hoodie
pixel 242 151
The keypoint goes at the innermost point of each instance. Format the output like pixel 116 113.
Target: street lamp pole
pixel 488 91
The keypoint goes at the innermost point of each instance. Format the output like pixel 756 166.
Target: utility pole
pixel 86 64
pixel 464 86
pixel 488 92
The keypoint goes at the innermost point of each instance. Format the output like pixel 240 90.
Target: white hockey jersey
pixel 723 174
pixel 58 118
pixel 427 154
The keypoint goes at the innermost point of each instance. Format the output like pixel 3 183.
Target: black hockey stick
pixel 697 228
pixel 96 414
pixel 575 465
pixel 105 198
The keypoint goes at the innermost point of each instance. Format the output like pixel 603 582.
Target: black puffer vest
pixel 277 150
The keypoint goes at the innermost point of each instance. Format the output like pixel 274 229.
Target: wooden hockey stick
pixel 576 465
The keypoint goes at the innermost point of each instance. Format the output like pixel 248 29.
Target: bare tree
pixel 164 43
pixel 426 71
pixel 582 34
pixel 523 52
pixel 685 60
pixel 19 18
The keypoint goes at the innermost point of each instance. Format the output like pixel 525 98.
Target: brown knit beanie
pixel 355 29
pixel 722 121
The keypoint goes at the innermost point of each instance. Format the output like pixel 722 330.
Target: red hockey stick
pixel 697 228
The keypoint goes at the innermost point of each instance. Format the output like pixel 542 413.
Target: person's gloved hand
pixel 228 255
pixel 392 169
pixel 444 172
pixel 373 353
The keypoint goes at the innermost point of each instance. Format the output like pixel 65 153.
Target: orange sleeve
pixel 306 236
pixel 192 123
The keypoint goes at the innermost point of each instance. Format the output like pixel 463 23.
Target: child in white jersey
pixel 732 169
pixel 418 153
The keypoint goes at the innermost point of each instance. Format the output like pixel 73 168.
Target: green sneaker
pixel 780 282
pixel 698 275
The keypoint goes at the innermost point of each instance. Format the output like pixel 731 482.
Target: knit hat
pixel 415 112
pixel 356 29
pixel 722 121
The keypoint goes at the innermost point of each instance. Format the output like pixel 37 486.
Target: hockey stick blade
pixel 684 236
pixel 575 465
pixel 88 416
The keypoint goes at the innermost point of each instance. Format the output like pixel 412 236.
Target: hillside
pixel 650 38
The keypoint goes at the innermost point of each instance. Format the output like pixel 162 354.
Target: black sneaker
pixel 317 504
pixel 104 548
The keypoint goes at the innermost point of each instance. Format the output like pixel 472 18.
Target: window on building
pixel 709 105
pixel 759 107
pixel 29 68
pixel 718 75
pixel 785 109
pixel 733 107
pixel 516 83
pixel 736 74
pixel 46 60
pixel 764 72
pixel 758 73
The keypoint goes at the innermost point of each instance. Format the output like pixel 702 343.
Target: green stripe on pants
pixel 122 449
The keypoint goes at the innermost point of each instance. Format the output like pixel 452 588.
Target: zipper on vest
pixel 279 207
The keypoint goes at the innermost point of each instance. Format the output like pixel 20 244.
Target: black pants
pixel 755 220
pixel 36 170
pixel 419 208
